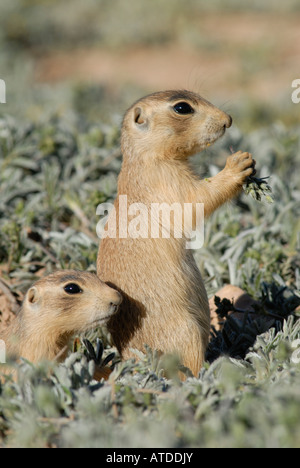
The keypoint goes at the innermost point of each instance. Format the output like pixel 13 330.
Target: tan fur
pixel 49 316
pixel 165 304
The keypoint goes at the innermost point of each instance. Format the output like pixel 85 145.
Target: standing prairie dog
pixel 56 307
pixel 165 303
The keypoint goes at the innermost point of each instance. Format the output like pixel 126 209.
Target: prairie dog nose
pixel 116 299
pixel 228 121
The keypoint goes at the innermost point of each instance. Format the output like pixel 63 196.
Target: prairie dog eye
pixel 183 108
pixel 72 288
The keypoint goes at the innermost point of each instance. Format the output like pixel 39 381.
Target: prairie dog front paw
pixel 239 166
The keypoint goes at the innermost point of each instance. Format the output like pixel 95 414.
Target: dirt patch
pixel 6 314
pixel 254 54
pixel 9 301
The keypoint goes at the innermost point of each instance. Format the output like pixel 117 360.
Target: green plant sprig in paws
pixel 257 187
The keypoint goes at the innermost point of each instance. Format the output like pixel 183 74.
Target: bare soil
pixel 238 54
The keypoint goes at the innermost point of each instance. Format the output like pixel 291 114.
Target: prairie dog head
pixel 172 124
pixel 69 301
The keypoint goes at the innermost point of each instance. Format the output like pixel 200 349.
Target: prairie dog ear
pixel 33 296
pixel 140 117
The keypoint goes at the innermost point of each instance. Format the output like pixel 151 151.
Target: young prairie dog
pixel 165 303
pixel 56 307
